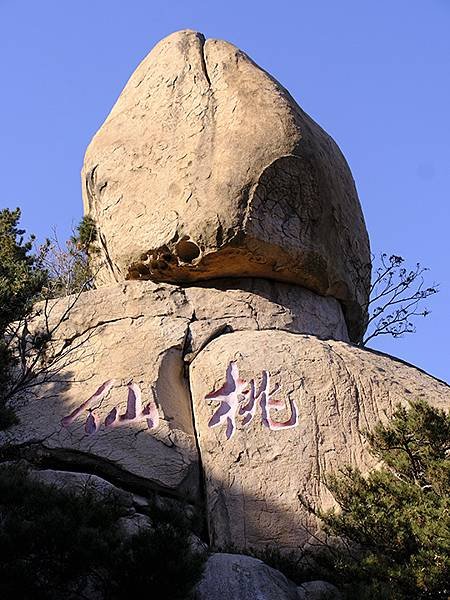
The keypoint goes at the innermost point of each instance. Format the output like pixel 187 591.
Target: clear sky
pixel 374 74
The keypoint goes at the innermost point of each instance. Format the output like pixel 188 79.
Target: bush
pixel 54 544
pixel 22 279
pixel 159 561
pixel 69 265
pixel 394 524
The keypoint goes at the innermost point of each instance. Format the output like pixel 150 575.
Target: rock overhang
pixel 207 168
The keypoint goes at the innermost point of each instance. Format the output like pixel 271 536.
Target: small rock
pixel 134 524
pixel 318 590
pixel 80 482
pixel 238 577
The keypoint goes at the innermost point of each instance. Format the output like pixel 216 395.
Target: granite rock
pixel 206 168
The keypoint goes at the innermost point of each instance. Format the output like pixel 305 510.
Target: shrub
pixel 394 523
pixel 54 544
pixel 22 279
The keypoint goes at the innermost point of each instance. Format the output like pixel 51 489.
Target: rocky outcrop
pixel 233 576
pixel 117 402
pixel 219 380
pixel 140 358
pixel 207 168
pixel 274 411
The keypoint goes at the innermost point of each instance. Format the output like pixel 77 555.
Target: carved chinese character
pixel 239 399
pixel 228 395
pixel 91 424
pixel 134 411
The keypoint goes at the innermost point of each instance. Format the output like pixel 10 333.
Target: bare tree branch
pixel 395 294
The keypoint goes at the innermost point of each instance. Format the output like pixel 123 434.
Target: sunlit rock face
pixel 207 168
pixel 117 403
pixel 276 410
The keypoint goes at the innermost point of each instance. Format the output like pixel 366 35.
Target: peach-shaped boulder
pixel 207 168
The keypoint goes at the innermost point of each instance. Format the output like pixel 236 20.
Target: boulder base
pixel 233 576
pixel 124 349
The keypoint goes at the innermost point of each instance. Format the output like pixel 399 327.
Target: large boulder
pixel 274 411
pixel 207 168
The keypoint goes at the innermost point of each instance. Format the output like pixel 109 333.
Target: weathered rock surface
pixel 117 359
pixel 318 590
pixel 234 576
pixel 81 482
pixel 130 523
pixel 261 304
pixel 330 392
pixel 137 336
pixel 206 167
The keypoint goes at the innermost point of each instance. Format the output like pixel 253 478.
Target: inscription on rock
pixel 241 399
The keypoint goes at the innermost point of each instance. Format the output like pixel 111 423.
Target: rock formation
pixel 213 367
pixel 207 168
pixel 232 577
pixel 327 393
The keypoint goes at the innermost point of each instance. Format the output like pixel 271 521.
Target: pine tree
pixel 394 523
pixel 21 274
pixel 22 279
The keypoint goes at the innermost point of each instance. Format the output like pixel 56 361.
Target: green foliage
pixel 394 523
pixel 22 279
pixel 86 234
pixel 160 561
pixel 69 266
pixel 49 539
pixel 56 545
pixel 25 277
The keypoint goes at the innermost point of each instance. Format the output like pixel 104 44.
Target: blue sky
pixel 374 74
